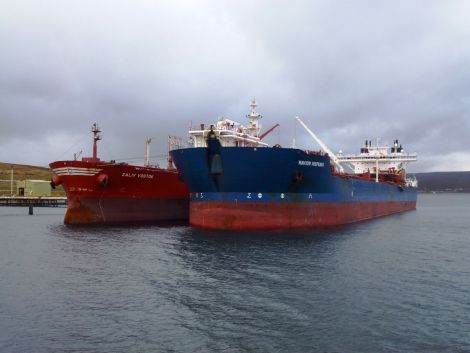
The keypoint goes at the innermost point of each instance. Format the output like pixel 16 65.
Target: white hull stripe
pixel 76 171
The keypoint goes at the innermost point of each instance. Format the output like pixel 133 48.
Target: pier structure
pixel 25 201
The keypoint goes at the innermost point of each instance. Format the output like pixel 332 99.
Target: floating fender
pixel 216 164
pixel 214 158
pixel 56 180
pixel 103 180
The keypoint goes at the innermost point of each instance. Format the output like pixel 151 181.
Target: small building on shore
pixel 33 188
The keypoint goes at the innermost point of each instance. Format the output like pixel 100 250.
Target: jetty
pixel 36 201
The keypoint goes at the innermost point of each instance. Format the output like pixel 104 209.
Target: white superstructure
pixel 231 133
pixel 382 158
pixel 381 162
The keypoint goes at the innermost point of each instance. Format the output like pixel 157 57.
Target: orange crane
pixel 268 131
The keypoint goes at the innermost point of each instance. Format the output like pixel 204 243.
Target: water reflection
pixel 399 283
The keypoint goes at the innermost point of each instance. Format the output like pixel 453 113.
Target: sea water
pixel 396 284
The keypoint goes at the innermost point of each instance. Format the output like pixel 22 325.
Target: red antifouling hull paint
pixel 262 215
pixel 91 210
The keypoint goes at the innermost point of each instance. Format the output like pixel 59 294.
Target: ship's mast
pixel 147 152
pixel 254 117
pixel 11 184
pixel 96 137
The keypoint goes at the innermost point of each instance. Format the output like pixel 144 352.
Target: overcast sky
pixel 353 70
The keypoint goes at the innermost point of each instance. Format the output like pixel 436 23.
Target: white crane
pixel 322 145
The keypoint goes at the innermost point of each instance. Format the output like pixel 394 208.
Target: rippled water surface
pixel 396 284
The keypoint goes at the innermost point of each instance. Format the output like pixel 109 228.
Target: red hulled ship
pixel 106 192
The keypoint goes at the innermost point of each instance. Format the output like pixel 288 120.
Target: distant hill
pixel 23 172
pixel 444 181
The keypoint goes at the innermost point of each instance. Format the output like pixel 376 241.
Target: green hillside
pixel 23 172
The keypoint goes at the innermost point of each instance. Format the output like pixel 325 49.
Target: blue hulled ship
pixel 237 181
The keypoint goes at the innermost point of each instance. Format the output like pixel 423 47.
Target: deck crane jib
pixel 332 156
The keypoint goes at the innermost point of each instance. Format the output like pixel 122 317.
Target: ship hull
pixel 109 193
pixel 279 188
pixel 259 216
pixel 96 210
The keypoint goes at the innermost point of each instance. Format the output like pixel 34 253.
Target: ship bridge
pixel 382 158
pixel 231 133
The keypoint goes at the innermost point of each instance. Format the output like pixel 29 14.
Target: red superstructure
pixel 106 192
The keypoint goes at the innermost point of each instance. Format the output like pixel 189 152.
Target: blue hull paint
pixel 280 175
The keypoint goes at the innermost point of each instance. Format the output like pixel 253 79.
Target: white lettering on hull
pixel 135 175
pixel 312 163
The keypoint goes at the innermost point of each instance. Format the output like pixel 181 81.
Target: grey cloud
pixel 353 70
